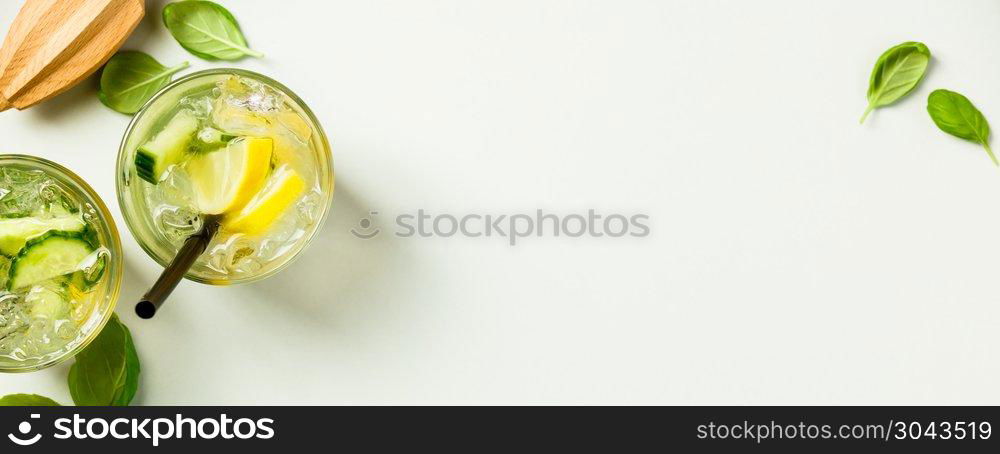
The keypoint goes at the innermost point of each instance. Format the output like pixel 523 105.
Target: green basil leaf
pixel 27 400
pixel 207 30
pixel 131 384
pixel 897 72
pixel 956 115
pixel 130 78
pixel 106 372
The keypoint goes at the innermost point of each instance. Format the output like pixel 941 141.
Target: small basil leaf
pixel 130 78
pixel 897 72
pixel 27 400
pixel 101 374
pixel 207 30
pixel 956 115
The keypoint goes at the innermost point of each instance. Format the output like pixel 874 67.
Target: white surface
pixel 796 257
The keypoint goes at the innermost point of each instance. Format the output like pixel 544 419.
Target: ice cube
pixel 250 95
pixel 93 266
pixel 176 189
pixel 282 238
pixel 241 122
pixel 177 223
pixel 234 254
pixel 294 123
pixel 55 200
pixel 13 318
pixel 90 215
pixel 247 264
pixel 199 105
pixel 10 345
pixel 22 194
pixel 66 330
pixel 15 177
pixel 308 209
pixel 217 258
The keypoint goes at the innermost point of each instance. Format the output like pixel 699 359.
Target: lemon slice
pixel 226 180
pixel 284 189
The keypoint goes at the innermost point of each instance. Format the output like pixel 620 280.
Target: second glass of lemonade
pixel 231 147
pixel 60 264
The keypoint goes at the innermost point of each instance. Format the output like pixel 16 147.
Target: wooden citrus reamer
pixel 54 44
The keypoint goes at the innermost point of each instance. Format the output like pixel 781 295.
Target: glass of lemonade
pixel 60 264
pixel 229 147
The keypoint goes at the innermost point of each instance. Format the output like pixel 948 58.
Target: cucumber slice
pixel 49 256
pixel 4 272
pixel 16 232
pixel 47 303
pixel 167 148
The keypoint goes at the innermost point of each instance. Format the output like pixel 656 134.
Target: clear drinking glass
pixel 53 319
pixel 227 103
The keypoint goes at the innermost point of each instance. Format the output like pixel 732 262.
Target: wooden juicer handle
pixel 55 44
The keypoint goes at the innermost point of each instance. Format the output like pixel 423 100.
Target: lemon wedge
pixel 226 180
pixel 281 192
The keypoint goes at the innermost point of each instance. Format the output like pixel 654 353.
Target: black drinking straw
pixel 193 247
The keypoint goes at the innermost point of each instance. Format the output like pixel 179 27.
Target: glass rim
pixel 117 255
pixel 121 167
